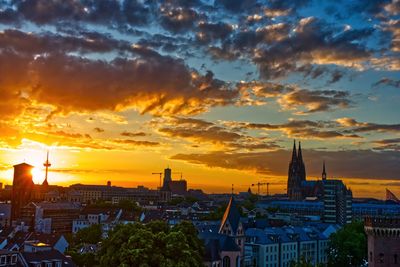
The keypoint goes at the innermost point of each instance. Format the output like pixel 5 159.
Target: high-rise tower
pixel 338 201
pixel 47 165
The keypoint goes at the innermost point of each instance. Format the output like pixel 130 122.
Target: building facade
pixel 383 241
pixel 22 189
pixel 224 241
pixel 337 202
pixel 283 246
pixel 48 217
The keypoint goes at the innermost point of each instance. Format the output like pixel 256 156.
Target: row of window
pixel 381 258
pixel 46 264
pixel 10 261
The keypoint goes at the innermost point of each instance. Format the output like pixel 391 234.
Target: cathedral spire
pixel 323 171
pixel 299 154
pixel 294 154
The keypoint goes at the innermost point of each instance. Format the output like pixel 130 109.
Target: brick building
pixel 383 241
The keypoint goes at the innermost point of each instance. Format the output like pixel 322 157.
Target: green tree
pixel 216 214
pixel 304 263
pixel 152 245
pixel 83 260
pixel 91 235
pixel 348 246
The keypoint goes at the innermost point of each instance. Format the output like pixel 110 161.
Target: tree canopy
pixel 89 235
pixel 348 246
pixel 153 244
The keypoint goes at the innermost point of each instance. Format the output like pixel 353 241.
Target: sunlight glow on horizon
pixel 83 167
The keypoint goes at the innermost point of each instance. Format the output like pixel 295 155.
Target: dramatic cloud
pixel 200 131
pixel 381 165
pixel 360 127
pixel 212 134
pixel 133 134
pixel 388 82
pixel 234 76
pixel 388 144
pixel 85 42
pixel 136 142
pixel 301 128
pixel 314 101
pixel 115 85
pixel 177 19
pixel 209 32
pixel 108 11
pixel 393 27
pixel 279 49
pixel 290 97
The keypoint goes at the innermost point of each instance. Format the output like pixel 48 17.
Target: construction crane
pixel 259 184
pixel 178 173
pixel 158 173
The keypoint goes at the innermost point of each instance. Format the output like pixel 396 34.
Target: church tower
pixel 232 227
pixel 301 167
pixel 296 174
pixel 323 171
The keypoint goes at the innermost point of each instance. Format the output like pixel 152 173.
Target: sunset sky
pixel 217 90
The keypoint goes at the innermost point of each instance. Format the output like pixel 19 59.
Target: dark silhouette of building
pixel 323 172
pixel 337 202
pixel 233 227
pixel 383 241
pixel 22 189
pixel 298 187
pixel 296 174
pixel 178 187
pixel 170 187
pixel 47 164
pixel 165 190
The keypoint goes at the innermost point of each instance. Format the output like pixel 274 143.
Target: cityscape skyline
pixel 40 176
pixel 215 89
pixel 200 133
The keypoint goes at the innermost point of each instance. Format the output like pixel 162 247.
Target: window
pixel 14 259
pixel 370 256
pixel 395 259
pixel 381 255
pixel 226 262
pixel 3 260
pixel 58 263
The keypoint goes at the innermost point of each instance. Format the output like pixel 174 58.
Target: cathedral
pixel 298 188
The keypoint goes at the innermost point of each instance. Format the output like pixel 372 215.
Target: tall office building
pixel 337 202
pixel 22 189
